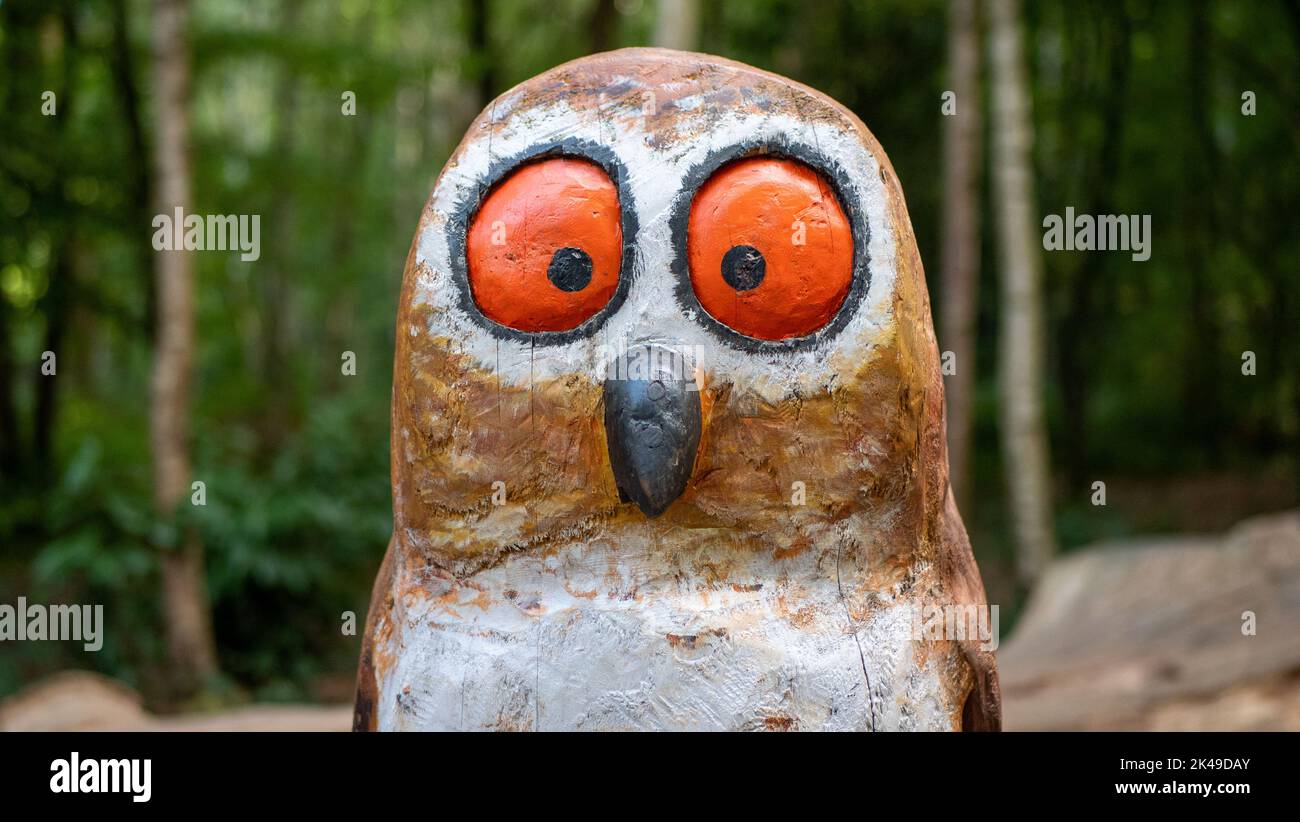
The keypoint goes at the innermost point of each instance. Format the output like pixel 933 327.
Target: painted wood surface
pixel 524 590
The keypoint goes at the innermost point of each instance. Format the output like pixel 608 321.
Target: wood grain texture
pixel 741 606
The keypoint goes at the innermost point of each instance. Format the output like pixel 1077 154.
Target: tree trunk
pixel 20 23
pixel 480 45
pixel 122 67
pixel 961 260
pixel 278 311
pixel 1021 344
pixel 601 24
pixel 677 25
pixel 1202 371
pixel 56 305
pixel 10 453
pixel 184 591
pixel 1087 289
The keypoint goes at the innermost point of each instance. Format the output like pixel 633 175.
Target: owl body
pixel 667 432
pixel 622 636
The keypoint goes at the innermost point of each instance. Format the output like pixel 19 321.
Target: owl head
pixel 667 291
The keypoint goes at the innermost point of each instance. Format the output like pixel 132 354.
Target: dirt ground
pixel 83 701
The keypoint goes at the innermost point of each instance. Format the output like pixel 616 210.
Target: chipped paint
pixel 564 607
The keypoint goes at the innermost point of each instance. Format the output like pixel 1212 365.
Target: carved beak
pixel 652 425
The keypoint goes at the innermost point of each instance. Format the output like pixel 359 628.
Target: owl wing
pixel 983 708
pixel 381 600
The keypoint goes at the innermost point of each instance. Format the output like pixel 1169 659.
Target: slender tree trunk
pixel 56 305
pixel 601 24
pixel 961 253
pixel 480 43
pixel 341 321
pixel 1286 296
pixel 122 67
pixel 677 25
pixel 1202 370
pixel 184 590
pixel 18 54
pixel 278 326
pixel 1085 304
pixel 10 454
pixel 1021 344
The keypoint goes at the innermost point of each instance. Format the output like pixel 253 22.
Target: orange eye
pixel 545 248
pixel 769 248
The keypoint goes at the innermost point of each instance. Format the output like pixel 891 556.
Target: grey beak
pixel 652 425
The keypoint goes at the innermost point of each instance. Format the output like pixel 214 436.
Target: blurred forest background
pixel 1135 108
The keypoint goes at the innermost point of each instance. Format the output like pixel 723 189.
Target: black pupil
pixel 570 269
pixel 743 267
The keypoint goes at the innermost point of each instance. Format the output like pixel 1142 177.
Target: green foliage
pixel 1136 110
pixel 295 543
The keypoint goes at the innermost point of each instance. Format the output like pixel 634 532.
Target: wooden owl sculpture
pixel 667 434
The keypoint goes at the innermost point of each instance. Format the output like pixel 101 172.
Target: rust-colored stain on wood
pixel 515 562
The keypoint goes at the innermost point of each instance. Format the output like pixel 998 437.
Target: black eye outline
pixel 838 180
pixel 462 217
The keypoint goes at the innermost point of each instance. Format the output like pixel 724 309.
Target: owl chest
pixel 536 645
